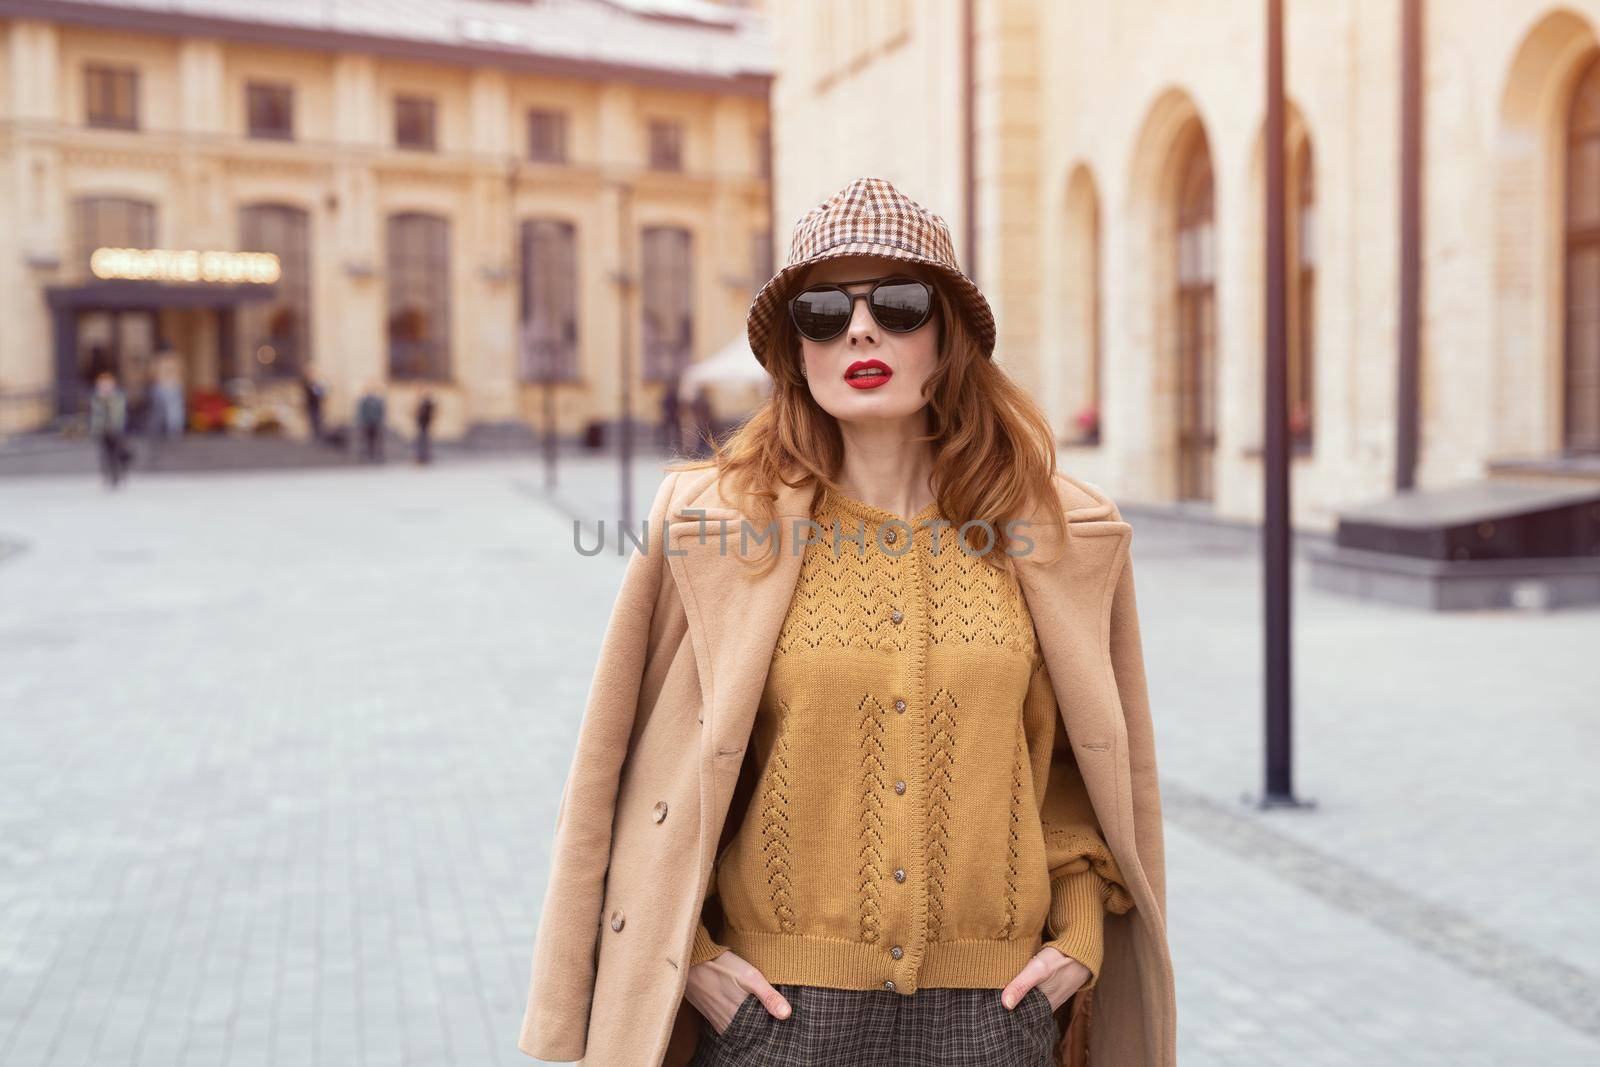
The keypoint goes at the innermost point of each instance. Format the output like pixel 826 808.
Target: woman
pixel 913 852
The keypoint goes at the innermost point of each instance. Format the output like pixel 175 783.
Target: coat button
pixel 899 705
pixel 897 952
pixel 660 810
pixel 899 785
pixel 616 920
pixel 895 616
pixel 899 874
pixel 888 983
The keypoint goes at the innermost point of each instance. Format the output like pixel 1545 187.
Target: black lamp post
pixel 624 278
pixel 1275 528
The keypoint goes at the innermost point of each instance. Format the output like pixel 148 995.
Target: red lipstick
pixel 867 374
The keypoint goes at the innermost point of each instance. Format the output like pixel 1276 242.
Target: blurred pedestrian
pixel 166 393
pixel 424 414
pixel 316 392
pixel 370 413
pixel 108 421
pixel 671 415
pixel 701 407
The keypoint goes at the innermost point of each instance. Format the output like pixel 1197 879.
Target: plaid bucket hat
pixel 869 217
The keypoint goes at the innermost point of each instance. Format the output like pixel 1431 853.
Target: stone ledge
pixel 1456 585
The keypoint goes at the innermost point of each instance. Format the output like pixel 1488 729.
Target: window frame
pixel 667 138
pixel 421 104
pixel 257 222
pixel 666 287
pixel 254 89
pixel 434 280
pixel 557 127
pixel 569 344
pixel 95 95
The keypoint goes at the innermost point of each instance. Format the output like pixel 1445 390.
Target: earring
pixel 802 370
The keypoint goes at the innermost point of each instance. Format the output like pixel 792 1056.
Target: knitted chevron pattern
pixel 918 817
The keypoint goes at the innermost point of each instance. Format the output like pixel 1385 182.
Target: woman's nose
pixel 861 320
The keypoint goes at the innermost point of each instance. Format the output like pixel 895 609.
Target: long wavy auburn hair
pixel 993 450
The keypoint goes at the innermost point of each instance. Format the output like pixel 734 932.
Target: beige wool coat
pixel 669 714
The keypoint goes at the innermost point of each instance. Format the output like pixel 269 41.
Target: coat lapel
pixel 1069 597
pixel 734 614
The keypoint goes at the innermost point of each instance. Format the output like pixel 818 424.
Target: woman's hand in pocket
pixel 719 985
pixel 1056 974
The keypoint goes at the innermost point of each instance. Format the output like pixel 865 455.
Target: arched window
pixel 1580 431
pixel 276 334
pixel 668 302
pixel 1092 424
pixel 548 303
pixel 1196 297
pixel 1302 295
pixel 110 222
pixel 418 261
pixel 1082 295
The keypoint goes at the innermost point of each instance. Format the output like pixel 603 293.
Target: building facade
pixel 499 203
pixel 1111 178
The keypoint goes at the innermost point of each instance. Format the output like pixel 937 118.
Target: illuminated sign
pixel 180 265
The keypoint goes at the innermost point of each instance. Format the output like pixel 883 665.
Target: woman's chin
pixel 884 402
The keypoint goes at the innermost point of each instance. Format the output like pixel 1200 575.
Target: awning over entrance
pixel 115 294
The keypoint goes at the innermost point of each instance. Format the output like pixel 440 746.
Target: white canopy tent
pixel 735 377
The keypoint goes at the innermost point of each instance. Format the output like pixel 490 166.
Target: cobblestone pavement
pixel 283 751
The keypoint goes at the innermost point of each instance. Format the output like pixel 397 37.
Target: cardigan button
pixel 899 874
pixel 899 705
pixel 660 810
pixel 899 785
pixel 889 536
pixel 897 952
pixel 888 983
pixel 895 616
pixel 616 920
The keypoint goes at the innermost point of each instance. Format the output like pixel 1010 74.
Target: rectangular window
pixel 270 110
pixel 414 122
pixel 275 335
pixel 666 144
pixel 418 269
pixel 548 308
pixel 547 136
pixel 763 150
pixel 668 302
pixel 760 259
pixel 111 97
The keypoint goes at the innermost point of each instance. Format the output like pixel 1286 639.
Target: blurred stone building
pixel 448 189
pixel 1104 179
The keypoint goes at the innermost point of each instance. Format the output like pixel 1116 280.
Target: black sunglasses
pixel 898 304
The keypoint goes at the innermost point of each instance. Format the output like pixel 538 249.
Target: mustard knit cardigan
pixel 918 817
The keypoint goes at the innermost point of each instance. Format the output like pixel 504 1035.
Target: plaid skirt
pixel 876 1028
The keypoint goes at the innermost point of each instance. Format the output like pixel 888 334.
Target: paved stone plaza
pixel 283 752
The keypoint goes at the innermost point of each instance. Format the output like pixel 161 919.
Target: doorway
pixel 120 341
pixel 1196 320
